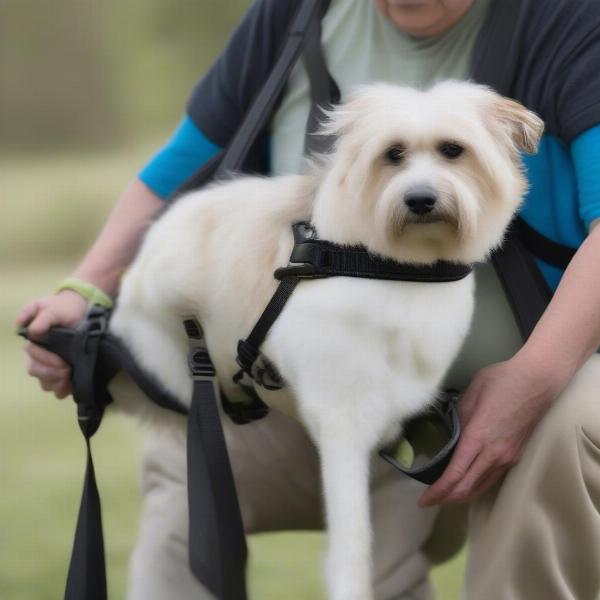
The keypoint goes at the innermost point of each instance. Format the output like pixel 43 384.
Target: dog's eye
pixel 395 154
pixel 450 149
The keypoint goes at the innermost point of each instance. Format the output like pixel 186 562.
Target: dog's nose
pixel 420 200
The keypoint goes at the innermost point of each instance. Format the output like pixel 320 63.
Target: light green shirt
pixel 361 45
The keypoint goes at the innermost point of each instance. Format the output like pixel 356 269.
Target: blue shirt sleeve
pixel 183 154
pixel 585 151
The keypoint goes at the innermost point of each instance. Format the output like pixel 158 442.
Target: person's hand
pixel 65 309
pixel 498 413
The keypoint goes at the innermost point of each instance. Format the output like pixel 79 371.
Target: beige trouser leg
pixel 537 536
pixel 277 477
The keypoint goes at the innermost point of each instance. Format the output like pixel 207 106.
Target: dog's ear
pixel 523 125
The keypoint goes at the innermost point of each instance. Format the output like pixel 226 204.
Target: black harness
pixel 217 544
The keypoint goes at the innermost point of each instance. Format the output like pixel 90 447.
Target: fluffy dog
pixel 416 176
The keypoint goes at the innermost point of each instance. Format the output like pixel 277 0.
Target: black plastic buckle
pixel 244 412
pixel 95 324
pixel 199 361
pixel 299 265
pixel 90 394
pixel 200 364
pixel 299 270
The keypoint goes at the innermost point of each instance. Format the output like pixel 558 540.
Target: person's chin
pixel 407 3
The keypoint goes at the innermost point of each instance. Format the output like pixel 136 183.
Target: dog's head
pixel 425 175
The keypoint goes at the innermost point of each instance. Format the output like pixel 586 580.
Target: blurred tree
pixel 89 73
pixel 53 75
pixel 166 47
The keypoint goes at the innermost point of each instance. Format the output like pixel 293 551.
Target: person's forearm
pixel 569 330
pixel 120 238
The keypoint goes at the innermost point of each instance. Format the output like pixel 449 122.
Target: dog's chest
pixel 390 328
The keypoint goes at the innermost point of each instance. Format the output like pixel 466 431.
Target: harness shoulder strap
pixel 499 44
pixel 231 160
pixel 495 65
pixel 551 252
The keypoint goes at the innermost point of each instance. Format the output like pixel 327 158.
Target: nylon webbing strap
pixel 262 108
pixel 525 288
pixel 216 534
pixel 496 62
pixel 248 349
pixel 86 579
pixel 217 543
pixel 527 291
pixel 324 92
pixel 95 357
pixel 320 258
pixel 542 247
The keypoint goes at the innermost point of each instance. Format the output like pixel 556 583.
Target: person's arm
pixel 120 237
pixel 504 402
pixel 214 112
pixel 102 266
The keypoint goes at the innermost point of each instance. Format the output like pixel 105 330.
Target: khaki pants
pixel 535 537
pixel 277 478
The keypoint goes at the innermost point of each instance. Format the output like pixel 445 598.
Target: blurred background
pixel 88 91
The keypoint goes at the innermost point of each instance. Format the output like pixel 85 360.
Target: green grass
pixel 41 449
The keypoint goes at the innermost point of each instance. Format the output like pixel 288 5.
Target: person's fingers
pixel 466 452
pixel 479 471
pixel 53 373
pixel 62 390
pixel 46 384
pixel 492 479
pixel 47 374
pixel 45 357
pixel 28 312
pixel 42 322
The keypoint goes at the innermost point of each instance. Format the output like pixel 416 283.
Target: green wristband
pixel 86 290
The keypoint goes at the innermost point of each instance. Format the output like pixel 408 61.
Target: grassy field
pixel 41 450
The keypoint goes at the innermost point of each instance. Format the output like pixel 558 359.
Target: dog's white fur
pixel 358 355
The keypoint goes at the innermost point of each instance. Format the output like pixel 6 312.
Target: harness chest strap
pixel 313 258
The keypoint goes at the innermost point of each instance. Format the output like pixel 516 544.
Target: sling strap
pixel 229 161
pixel 87 557
pixel 324 92
pixel 524 286
pixel 218 554
pixel 214 511
pixel 551 252
pixel 96 358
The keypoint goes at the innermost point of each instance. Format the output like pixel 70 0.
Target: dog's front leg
pixel 345 472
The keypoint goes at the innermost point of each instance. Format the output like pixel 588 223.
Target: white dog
pixel 414 176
